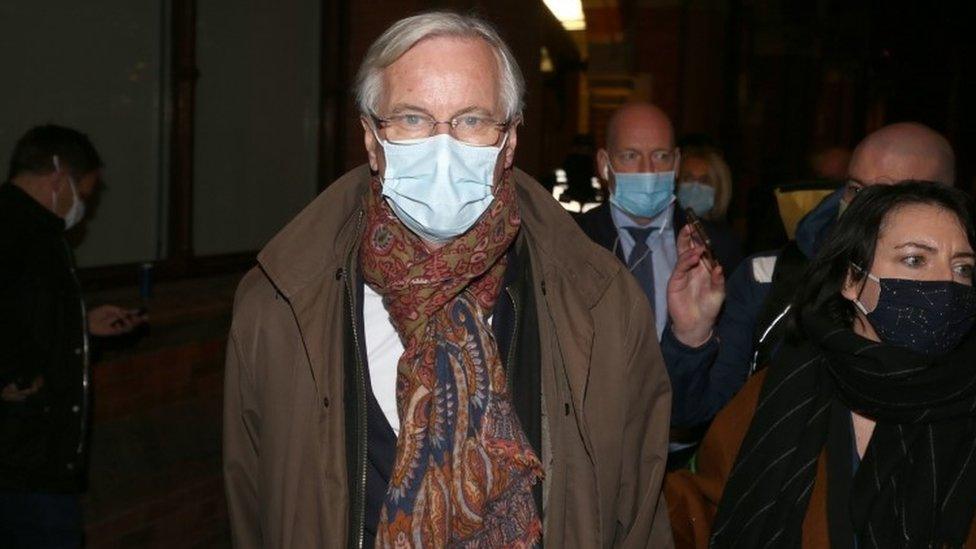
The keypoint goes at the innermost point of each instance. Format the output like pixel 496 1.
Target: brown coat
pixel 604 385
pixel 693 498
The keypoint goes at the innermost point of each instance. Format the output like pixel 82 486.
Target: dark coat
pixel 42 334
pixel 693 498
pixel 679 359
pixel 704 379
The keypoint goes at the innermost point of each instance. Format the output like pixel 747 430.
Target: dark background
pixel 769 81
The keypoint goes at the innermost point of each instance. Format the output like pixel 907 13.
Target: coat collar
pixel 319 242
pixel 316 243
pixel 28 211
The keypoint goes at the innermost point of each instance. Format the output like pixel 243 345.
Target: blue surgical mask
pixel 642 194
pixel 930 317
pixel 697 196
pixel 438 186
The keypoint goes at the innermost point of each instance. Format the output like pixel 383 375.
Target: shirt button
pixel 75 408
pixel 77 350
pixel 71 466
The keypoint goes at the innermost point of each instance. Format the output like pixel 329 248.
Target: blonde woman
pixel 704 183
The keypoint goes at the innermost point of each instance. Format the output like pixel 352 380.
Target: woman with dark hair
pixel 862 433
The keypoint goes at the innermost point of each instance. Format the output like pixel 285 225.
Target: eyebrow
pixel 400 107
pixel 968 255
pixel 925 247
pixel 640 151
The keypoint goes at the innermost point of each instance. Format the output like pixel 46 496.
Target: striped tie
pixel 640 262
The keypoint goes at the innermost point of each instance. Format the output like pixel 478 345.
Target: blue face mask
pixel 930 317
pixel 697 196
pixel 642 194
pixel 438 186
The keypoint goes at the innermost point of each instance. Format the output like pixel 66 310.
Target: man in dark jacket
pixel 642 224
pixel 705 375
pixel 641 221
pixel 44 343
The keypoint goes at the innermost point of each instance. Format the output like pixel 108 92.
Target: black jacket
pixel 42 334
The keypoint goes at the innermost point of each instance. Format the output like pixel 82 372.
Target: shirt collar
pixel 662 220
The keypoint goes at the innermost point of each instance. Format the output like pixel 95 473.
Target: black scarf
pixel 916 486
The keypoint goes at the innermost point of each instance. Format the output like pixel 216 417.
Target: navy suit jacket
pixel 598 225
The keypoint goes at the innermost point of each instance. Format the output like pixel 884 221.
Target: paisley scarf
pixel 464 470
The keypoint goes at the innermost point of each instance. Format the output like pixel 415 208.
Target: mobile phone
pixel 700 238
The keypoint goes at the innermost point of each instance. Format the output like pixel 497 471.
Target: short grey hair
pixel 406 33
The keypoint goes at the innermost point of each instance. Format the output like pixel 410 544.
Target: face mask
pixel 642 194
pixel 77 210
pixel 438 186
pixel 928 317
pixel 697 196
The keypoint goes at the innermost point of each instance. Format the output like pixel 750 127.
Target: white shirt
pixel 383 351
pixel 664 255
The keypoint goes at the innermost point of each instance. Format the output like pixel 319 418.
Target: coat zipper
pixel 510 365
pixel 85 358
pixel 361 409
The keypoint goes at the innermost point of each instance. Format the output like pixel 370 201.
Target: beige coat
pixel 604 385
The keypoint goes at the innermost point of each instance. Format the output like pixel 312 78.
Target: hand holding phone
pixel 110 320
pixel 138 314
pixel 696 290
pixel 700 238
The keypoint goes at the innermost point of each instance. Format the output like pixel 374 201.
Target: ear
pixel 511 143
pixel 603 164
pixel 852 287
pixel 603 167
pixel 58 181
pixel 374 150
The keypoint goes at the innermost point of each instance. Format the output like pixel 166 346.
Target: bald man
pixel 640 223
pixel 705 376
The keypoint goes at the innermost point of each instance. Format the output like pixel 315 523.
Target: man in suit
pixel 643 227
pixel 640 224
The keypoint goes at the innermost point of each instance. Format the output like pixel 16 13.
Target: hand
pixel 695 293
pixel 13 393
pixel 109 320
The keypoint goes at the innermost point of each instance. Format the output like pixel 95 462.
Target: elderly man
pixel 640 223
pixel 708 363
pixel 420 360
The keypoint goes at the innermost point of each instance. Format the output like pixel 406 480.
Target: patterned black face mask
pixel 930 317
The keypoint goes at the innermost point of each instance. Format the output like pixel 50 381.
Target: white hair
pixel 406 33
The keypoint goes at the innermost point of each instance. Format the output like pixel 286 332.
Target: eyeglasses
pixel 660 158
pixel 472 129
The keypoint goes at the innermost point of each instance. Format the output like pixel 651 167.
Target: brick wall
pixel 155 465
